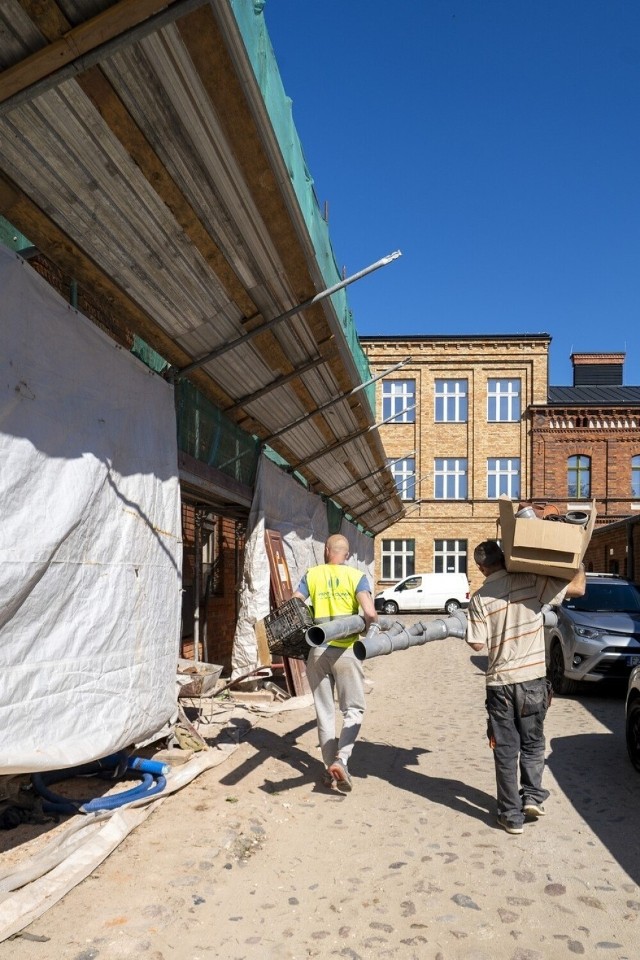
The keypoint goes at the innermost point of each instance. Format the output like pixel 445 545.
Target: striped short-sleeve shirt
pixel 506 615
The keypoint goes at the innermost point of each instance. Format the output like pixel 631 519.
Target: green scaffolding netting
pixel 207 435
pixel 250 18
pixel 12 238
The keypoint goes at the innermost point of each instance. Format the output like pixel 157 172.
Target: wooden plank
pixel 281 590
pixel 281 587
pixel 107 25
pixel 264 654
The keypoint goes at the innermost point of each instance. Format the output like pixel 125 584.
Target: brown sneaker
pixel 338 770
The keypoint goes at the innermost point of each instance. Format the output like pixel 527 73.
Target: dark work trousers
pixel 516 713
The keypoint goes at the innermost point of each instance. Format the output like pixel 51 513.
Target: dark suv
pixel 597 636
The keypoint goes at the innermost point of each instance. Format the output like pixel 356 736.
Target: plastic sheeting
pixel 281 503
pixel 90 552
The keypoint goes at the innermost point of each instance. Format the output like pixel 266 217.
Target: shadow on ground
pixel 384 761
pixel 595 774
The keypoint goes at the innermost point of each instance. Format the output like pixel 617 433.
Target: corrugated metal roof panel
pixel 154 177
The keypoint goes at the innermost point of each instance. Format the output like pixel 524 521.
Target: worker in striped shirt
pixel 505 616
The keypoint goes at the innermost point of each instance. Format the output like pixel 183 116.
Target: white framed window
pixel 450 401
pixel 503 476
pixel 398 559
pixel 450 478
pixel 450 556
pixel 404 474
pixel 398 401
pixel 503 401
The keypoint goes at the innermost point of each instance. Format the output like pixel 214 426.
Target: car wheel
pixel 560 683
pixel 451 606
pixel 633 733
pixel 390 607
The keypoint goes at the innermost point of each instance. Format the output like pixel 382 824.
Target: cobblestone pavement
pixel 254 861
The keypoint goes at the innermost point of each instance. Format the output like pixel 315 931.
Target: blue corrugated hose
pixel 150 772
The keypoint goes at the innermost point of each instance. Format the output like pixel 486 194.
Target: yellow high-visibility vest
pixel 332 589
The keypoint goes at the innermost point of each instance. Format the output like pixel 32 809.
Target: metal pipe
pixel 384 466
pixel 353 436
pixel 219 351
pixel 379 642
pixel 334 401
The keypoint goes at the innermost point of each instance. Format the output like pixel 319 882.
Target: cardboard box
pixel 552 548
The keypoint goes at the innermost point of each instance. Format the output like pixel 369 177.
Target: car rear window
pixel 620 597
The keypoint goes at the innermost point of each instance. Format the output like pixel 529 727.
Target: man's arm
pixel 578 585
pixel 476 627
pixel 369 611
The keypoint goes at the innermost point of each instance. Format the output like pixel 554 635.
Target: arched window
pixel 579 477
pixel 635 477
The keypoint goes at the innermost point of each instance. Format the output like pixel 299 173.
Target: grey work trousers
pixel 516 714
pixel 329 669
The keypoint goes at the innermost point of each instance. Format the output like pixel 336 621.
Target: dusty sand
pixel 254 861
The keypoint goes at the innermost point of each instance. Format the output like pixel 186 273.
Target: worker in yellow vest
pixel 337 590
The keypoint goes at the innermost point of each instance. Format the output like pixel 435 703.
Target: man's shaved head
pixel 336 548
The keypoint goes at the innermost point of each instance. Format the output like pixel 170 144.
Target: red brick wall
pixel 610 549
pixel 220 614
pixel 86 303
pixel 608 437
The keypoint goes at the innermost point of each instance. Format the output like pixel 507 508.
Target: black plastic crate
pixel 286 628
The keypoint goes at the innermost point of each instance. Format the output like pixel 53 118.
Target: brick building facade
pixel 615 548
pixel 469 418
pixel 214 580
pixel 459 431
pixel 586 440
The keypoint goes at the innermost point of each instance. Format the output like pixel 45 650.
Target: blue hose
pixel 150 773
pixel 148 766
pixel 110 803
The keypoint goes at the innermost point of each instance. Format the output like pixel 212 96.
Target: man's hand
pixel 578 585
pixel 369 611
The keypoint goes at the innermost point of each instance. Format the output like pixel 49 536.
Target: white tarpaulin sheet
pixel 90 552
pixel 282 504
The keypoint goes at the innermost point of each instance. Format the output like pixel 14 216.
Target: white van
pixel 425 591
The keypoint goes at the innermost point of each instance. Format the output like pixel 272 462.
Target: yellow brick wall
pixel 477 360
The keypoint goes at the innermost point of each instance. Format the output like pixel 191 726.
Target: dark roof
pixel 595 396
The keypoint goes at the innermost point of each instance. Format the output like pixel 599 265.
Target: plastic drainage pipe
pixel 379 642
pixel 334 630
pixel 340 628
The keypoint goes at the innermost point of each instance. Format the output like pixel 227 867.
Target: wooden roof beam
pixel 85 45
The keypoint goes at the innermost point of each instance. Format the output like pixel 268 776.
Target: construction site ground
pixel 255 861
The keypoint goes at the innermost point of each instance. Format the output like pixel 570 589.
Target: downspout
pixel 197 573
pixel 631 560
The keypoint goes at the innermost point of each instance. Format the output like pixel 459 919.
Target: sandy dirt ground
pixel 255 861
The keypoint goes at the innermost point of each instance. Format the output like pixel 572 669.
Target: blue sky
pixel 496 143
